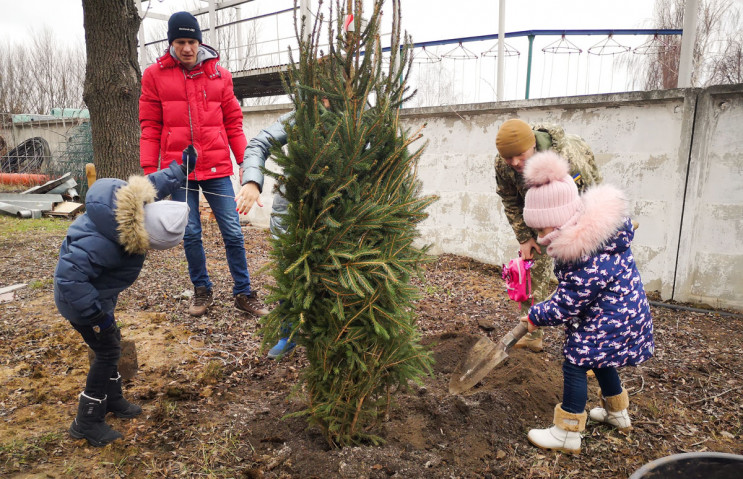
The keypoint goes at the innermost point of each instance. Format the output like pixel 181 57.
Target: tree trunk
pixel 112 85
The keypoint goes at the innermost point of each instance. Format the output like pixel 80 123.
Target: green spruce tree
pixel 343 270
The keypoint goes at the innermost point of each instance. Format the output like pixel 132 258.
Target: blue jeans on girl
pixel 575 385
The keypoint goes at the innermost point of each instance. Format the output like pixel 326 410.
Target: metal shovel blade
pixel 482 358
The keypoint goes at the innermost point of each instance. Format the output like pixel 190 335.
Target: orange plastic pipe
pixel 22 179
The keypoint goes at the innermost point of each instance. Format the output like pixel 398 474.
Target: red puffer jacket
pixel 179 107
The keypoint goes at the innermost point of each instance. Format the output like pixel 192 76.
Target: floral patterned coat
pixel 600 297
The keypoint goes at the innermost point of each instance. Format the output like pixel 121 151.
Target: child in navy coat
pixel 600 298
pixel 102 255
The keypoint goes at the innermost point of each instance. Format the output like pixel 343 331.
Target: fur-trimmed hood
pixel 117 210
pixel 603 213
pixel 104 249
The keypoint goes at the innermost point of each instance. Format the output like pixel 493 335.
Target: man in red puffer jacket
pixel 187 99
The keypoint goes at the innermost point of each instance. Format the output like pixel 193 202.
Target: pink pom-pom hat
pixel 552 198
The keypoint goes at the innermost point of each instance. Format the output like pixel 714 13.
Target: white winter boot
pixel 564 436
pixel 614 411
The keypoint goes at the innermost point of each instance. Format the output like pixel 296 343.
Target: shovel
pixel 482 358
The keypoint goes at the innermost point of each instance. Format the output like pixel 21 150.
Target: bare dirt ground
pixel 213 405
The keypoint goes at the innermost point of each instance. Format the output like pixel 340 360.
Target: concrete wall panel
pixel 710 259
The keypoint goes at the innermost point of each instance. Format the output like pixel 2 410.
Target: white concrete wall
pixel 642 142
pixel 710 259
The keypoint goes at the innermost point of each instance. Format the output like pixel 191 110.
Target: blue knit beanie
pixel 183 25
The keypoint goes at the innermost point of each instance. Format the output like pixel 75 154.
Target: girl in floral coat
pixel 600 298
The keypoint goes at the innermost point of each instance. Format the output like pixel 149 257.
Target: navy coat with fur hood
pixel 104 249
pixel 600 297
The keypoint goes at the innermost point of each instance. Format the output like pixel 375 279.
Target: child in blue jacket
pixel 101 256
pixel 600 298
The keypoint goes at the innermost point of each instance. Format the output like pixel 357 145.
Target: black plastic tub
pixel 693 465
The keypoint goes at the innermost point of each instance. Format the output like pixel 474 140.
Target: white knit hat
pixel 165 222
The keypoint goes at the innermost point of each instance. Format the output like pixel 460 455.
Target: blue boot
pixel 281 348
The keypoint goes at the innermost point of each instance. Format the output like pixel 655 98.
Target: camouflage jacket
pixel 511 186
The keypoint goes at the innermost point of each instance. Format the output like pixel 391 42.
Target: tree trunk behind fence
pixel 112 85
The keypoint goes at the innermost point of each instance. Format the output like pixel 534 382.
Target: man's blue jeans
pixel 221 197
pixel 575 386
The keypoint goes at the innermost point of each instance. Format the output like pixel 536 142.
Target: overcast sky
pixel 424 19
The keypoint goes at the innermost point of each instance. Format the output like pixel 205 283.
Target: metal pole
pixel 528 66
pixel 501 46
pixel 241 55
pixel 688 39
pixel 140 37
pixel 304 13
pixel 212 25
pixel 241 46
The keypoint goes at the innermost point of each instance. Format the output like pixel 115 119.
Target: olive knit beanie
pixel 514 137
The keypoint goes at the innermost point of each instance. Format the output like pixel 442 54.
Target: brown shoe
pixel 202 299
pixel 532 341
pixel 250 304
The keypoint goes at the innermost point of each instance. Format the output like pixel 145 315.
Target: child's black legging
pixel 107 348
pixel 575 385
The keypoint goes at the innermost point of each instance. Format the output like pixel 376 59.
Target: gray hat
pixel 165 222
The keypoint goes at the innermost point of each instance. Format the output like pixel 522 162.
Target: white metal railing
pixel 455 73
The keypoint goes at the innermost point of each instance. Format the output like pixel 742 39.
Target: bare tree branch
pixel 45 74
pixel 717 52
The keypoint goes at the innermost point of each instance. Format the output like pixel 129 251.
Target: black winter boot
pixel 116 402
pixel 90 422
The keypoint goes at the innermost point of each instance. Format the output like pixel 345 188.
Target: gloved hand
pixel 102 321
pixel 189 159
